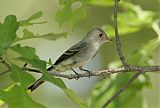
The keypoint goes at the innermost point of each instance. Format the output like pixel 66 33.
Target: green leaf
pixel 27 52
pixel 35 16
pixel 64 2
pixel 67 14
pixel 72 95
pixel 77 16
pixel 21 76
pixel 63 14
pixel 28 22
pixel 8 32
pixel 17 97
pixel 101 2
pixel 49 36
pixel 26 35
pixel 41 65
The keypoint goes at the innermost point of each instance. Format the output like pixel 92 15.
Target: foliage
pixel 19 89
pixel 28 21
pixel 27 55
pixel 8 32
pixel 70 15
pixel 136 20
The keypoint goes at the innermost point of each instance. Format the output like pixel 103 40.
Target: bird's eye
pixel 100 35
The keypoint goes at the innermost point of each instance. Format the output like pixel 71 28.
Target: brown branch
pixel 122 89
pixel 97 73
pixel 104 72
pixel 117 35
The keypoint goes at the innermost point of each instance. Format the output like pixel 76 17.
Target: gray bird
pixel 78 55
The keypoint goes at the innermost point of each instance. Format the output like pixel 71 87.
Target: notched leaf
pixel 67 14
pixel 28 22
pixel 35 16
pixel 77 15
pixel 20 76
pixel 26 51
pixel 63 15
pixel 8 32
pixel 49 36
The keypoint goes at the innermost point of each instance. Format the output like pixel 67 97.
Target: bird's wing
pixel 72 51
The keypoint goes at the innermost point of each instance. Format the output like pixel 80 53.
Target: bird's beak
pixel 109 40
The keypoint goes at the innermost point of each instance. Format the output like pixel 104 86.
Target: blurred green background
pixel 97 15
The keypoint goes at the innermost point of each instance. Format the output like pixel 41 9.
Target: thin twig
pixel 5 63
pixel 7 71
pixel 122 89
pixel 117 35
pixel 31 70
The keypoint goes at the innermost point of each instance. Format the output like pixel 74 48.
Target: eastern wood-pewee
pixel 79 54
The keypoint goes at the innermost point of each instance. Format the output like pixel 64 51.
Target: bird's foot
pixel 78 75
pixel 87 71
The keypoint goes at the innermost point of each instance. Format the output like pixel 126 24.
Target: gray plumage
pixel 79 54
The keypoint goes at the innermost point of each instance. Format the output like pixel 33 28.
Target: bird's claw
pixel 78 76
pixel 89 73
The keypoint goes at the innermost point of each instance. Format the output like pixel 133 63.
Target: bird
pixel 78 55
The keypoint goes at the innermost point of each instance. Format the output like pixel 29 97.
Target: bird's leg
pixel 89 72
pixel 79 75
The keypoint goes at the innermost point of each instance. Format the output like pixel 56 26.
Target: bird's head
pixel 98 35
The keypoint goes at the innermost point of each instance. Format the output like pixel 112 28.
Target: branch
pixel 6 71
pixel 122 89
pixel 7 65
pixel 132 69
pixel 117 35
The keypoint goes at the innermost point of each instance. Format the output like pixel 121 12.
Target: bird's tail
pixel 38 82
